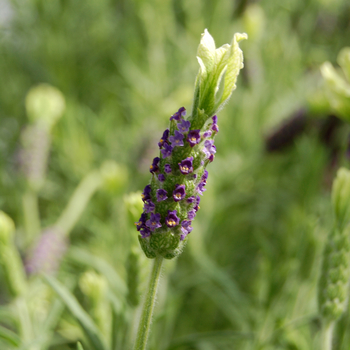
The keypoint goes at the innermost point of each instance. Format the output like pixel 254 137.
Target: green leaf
pixel 87 324
pixel 9 336
pixel 79 346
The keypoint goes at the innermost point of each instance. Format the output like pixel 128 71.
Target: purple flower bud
pixel 162 195
pixel 186 166
pixel 215 127
pixel 191 199
pixel 215 119
pixel 184 126
pixel 153 222
pixel 186 228
pixel 204 177
pixel 145 232
pixel 182 111
pixel 209 148
pixel 179 193
pixel 200 188
pixel 176 116
pixel 154 166
pixel 177 139
pixel 142 221
pixel 191 214
pixel 161 177
pixel 167 168
pixel 164 138
pixel 193 137
pixel 211 158
pixel 172 219
pixel 166 152
pixel 197 207
pixel 149 206
pixel 146 194
pixel 207 134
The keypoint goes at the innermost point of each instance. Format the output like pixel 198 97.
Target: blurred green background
pixel 248 276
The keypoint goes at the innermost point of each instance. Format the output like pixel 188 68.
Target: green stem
pixel 147 311
pixel 78 202
pixel 327 336
pixel 31 215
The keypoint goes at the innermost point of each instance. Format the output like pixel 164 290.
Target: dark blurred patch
pixel 287 132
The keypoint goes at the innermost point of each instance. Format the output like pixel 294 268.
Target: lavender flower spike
pixel 179 174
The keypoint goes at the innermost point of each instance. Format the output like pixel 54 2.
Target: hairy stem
pixel 31 215
pixel 327 336
pixel 147 311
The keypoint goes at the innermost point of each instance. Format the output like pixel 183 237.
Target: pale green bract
pixel 337 84
pixel 341 198
pixel 217 76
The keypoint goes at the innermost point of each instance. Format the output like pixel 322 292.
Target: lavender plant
pixel 179 175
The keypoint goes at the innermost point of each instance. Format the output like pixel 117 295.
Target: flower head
pixel 172 219
pixel 184 126
pixel 177 139
pixel 146 194
pixel 166 152
pixel 193 137
pixel 186 166
pixel 154 166
pixel 162 195
pixel 179 193
pixel 167 168
pixel 149 206
pixel 164 138
pixel 154 222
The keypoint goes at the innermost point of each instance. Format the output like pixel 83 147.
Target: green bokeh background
pixel 248 276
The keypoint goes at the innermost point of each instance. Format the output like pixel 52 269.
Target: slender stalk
pixel 147 311
pixel 31 215
pixel 327 336
pixel 79 200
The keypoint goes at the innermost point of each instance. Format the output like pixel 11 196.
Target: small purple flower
pixel 166 152
pixel 142 221
pixel 167 168
pixel 146 194
pixel 153 222
pixel 149 206
pixel 154 166
pixel 193 137
pixel 209 148
pixel 207 134
pixel 200 188
pixel 161 177
pixel 211 158
pixel 164 138
pixel 162 195
pixel 179 193
pixel 191 200
pixel 172 219
pixel 215 119
pixel 184 126
pixel 177 139
pixel 191 214
pixel 186 166
pixel 186 228
pixel 145 232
